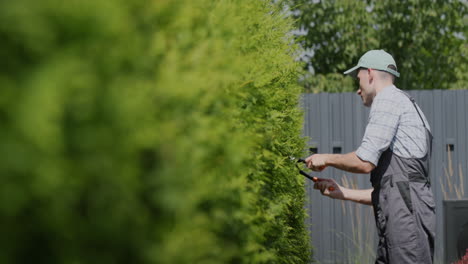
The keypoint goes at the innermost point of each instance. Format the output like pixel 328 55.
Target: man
pixel 396 151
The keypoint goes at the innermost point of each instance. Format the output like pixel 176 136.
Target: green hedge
pixel 149 132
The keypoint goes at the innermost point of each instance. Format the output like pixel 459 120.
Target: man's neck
pixel 380 86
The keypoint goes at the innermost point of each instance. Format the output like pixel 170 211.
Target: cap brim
pixel 352 72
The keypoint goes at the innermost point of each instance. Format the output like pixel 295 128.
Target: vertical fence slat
pixel 461 133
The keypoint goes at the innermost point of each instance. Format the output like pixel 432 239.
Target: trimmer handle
pixel 314 179
pixel 303 161
pixel 331 188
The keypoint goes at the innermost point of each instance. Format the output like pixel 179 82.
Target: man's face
pixel 366 89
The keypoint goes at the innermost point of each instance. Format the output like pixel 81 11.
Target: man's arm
pixel 358 196
pixel 348 162
pixel 342 193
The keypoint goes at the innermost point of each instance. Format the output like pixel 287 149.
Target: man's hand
pixel 317 162
pixel 330 188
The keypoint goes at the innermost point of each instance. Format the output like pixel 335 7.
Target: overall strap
pixel 428 135
pixel 415 106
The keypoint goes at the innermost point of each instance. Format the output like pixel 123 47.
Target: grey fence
pixel 344 232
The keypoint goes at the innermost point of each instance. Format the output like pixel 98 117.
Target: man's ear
pixel 370 73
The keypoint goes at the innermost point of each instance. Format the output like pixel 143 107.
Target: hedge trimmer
pixel 307 175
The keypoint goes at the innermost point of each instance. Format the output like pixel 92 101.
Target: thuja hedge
pixel 149 132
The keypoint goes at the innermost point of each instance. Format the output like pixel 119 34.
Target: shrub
pixel 149 132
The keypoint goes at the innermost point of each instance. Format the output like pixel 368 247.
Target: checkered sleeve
pixel 381 129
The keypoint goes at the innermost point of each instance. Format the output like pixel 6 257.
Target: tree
pixel 426 37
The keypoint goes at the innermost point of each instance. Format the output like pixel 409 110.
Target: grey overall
pixel 404 207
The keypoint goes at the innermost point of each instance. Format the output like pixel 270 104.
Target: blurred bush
pixel 149 132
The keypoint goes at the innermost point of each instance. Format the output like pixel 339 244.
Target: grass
pixel 361 241
pixel 452 185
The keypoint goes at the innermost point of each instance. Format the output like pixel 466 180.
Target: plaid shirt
pixel 395 124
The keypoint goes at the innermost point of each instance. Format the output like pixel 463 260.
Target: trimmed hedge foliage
pixel 149 132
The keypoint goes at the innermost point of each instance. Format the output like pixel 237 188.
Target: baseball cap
pixel 374 59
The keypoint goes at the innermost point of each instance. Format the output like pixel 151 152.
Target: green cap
pixel 374 59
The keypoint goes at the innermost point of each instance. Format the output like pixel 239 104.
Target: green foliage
pixel 331 83
pixel 421 35
pixel 426 38
pixel 461 70
pixel 149 132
